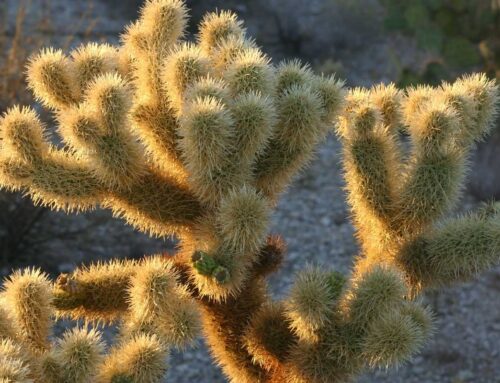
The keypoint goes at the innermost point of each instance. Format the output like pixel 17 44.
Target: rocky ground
pixel 312 216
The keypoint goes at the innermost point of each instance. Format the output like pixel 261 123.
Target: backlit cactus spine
pixel 199 140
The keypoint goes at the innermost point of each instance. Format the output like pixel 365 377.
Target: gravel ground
pixel 314 220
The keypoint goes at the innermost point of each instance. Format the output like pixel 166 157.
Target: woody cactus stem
pixel 198 140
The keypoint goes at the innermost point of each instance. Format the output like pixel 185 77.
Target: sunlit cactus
pixel 400 199
pixel 198 140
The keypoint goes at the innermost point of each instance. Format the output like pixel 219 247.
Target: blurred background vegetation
pixel 462 33
pixel 463 36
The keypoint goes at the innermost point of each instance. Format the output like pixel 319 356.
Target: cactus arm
pixel 297 131
pixel 435 169
pixel 306 106
pixel 147 44
pixel 54 177
pixel 157 204
pixel 371 163
pixel 96 293
pixel 27 296
pixel 457 249
pixel 142 359
pixel 443 130
pixel 77 356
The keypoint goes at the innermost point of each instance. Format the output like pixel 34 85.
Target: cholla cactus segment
pixel 434 126
pixel 163 22
pixel 13 370
pixel 27 294
pixel 14 363
pixel 242 219
pixel 374 293
pixel 79 354
pixel 198 140
pixel 11 349
pixel 96 293
pixel 310 305
pixel 297 132
pixel 49 368
pixel 151 290
pixel 50 78
pixel 23 135
pixel 268 338
pixel 458 249
pixel 180 326
pixel 226 51
pixel 484 98
pixel 217 27
pixel 92 60
pixel 250 72
pixel 388 99
pixel 206 137
pixel 392 339
pixel 332 94
pixel 158 302
pixel 290 74
pixel 6 329
pixel 141 359
pixel 254 117
pixel 184 66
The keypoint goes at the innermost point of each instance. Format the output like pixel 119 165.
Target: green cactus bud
pixel 204 263
pixel 221 274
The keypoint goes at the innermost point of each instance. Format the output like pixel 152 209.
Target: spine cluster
pixel 198 140
pixel 157 312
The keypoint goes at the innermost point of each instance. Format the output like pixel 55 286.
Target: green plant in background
pixel 464 33
pixel 199 140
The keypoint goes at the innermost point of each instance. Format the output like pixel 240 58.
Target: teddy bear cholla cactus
pixel 199 140
pixel 399 199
